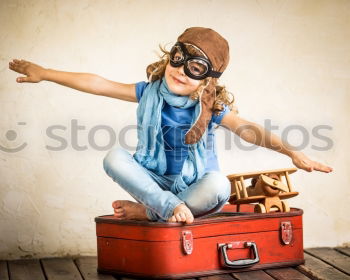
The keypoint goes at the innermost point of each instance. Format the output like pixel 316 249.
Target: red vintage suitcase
pixel 221 243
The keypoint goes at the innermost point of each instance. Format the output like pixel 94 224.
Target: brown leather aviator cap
pixel 216 48
pixel 211 43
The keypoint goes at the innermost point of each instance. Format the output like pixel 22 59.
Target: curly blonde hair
pixel 156 71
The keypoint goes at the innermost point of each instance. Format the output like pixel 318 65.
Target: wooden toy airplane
pixel 268 189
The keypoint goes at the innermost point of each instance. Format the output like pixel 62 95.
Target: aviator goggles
pixel 195 67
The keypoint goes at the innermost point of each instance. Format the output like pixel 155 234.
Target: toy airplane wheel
pixel 259 208
pixel 285 206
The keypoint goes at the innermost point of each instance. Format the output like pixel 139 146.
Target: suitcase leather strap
pixel 224 214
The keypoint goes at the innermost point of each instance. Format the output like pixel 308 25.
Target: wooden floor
pixel 321 263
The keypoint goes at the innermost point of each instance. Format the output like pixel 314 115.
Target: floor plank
pixel 88 269
pixel 332 257
pixel 287 273
pixel 60 269
pixel 317 269
pixel 321 263
pixel 3 270
pixel 25 270
pixel 344 250
pixel 217 277
pixel 250 275
pixel 127 278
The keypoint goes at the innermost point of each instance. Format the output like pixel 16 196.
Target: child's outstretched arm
pixel 84 82
pixel 255 134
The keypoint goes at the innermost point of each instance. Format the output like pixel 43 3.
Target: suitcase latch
pixel 286 232
pixel 187 241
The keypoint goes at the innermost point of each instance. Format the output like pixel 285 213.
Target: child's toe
pixel 118 210
pixel 182 217
pixel 189 218
pixel 117 204
pixel 172 219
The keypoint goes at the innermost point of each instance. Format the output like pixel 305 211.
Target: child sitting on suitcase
pixel 174 173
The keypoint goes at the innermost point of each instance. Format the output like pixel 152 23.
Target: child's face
pixel 178 82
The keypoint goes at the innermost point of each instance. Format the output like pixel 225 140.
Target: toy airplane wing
pixel 248 175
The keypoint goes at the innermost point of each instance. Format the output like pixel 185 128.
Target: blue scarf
pixel 150 147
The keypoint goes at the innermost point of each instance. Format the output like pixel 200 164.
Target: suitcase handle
pixel 242 262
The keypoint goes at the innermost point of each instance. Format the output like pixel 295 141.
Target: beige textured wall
pixel 290 63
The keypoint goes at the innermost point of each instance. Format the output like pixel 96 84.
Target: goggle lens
pixel 197 67
pixel 176 55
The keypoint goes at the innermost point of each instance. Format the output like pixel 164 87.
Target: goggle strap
pixel 215 74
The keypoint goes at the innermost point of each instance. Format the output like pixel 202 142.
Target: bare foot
pixel 182 214
pixel 128 210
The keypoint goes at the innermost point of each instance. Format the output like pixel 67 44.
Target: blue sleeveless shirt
pixel 175 123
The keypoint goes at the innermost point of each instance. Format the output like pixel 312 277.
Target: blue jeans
pixel 207 195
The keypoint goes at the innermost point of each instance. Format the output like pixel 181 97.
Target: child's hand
pixel 34 73
pixel 303 162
